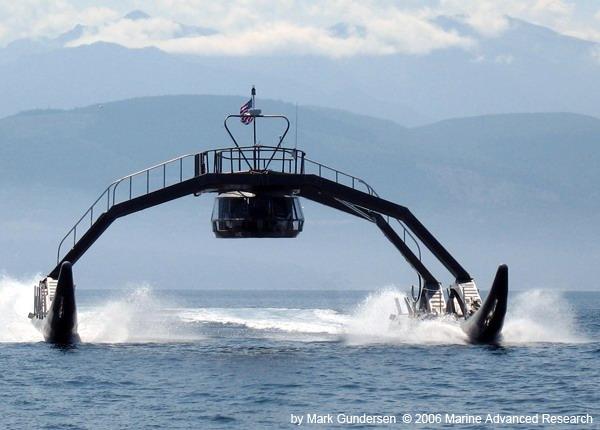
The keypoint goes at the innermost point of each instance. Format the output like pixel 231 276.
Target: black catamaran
pixel 258 189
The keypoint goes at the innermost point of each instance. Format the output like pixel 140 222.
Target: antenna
pixel 253 112
pixel 296 128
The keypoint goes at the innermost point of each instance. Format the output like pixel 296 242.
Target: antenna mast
pixel 296 128
pixel 253 112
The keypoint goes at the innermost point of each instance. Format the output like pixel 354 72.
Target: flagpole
pixel 254 125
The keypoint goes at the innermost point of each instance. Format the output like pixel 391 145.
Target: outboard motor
pixel 240 214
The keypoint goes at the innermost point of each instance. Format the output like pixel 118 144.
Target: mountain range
pixel 527 68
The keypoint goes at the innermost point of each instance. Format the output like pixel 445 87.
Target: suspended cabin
pixel 240 214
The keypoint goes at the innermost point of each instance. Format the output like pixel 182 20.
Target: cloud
pixel 263 27
pixel 387 30
pixel 485 17
pixel 131 33
pixel 489 17
pixel 588 31
pixel 34 19
pixel 287 38
pixel 504 59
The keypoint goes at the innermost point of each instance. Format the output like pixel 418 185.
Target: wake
pixel 138 316
pixel 533 317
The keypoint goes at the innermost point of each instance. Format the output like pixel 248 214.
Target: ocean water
pixel 251 359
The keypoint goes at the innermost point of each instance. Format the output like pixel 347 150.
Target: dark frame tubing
pixel 385 207
pixel 309 186
pixel 385 228
pixel 254 166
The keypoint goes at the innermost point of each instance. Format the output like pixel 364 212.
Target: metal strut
pixel 385 207
pixel 385 228
pixel 255 165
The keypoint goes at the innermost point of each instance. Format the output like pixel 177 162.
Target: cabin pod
pixel 240 214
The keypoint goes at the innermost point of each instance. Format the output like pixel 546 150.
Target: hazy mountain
pixel 25 47
pixel 525 69
pixel 136 15
pixel 519 188
pixel 535 156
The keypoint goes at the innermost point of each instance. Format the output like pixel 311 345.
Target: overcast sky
pixel 248 27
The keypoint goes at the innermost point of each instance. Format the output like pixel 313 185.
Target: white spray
pixel 533 317
pixel 538 316
pixel 371 323
pixel 16 301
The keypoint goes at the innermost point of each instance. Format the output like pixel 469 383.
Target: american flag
pixel 246 117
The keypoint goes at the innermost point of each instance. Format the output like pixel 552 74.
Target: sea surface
pixel 250 359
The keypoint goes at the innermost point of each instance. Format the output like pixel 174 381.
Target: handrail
pixel 147 172
pixel 259 154
pixel 338 173
pixel 370 191
pixel 89 211
pixel 107 192
pixel 292 161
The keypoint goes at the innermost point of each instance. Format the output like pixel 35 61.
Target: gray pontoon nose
pixel 61 322
pixel 485 325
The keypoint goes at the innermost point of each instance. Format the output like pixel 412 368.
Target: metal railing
pixel 138 184
pixel 316 168
pixel 226 160
pixel 253 158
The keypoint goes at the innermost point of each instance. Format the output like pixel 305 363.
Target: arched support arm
pixel 310 186
pixel 385 228
pixel 385 207
pixel 126 208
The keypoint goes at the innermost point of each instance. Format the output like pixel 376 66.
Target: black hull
pixel 485 325
pixel 60 325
